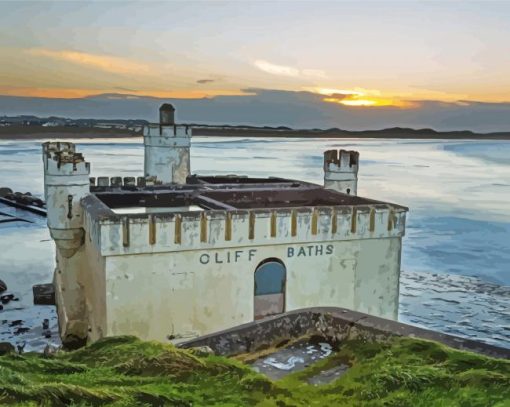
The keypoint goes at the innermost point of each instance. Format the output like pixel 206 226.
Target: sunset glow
pixel 65 93
pixel 355 102
pixel 66 50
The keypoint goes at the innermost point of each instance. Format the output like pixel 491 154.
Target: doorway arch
pixel 269 294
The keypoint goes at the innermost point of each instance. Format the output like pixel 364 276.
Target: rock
pixel 5 191
pixel 6 298
pixel 3 286
pixel 44 294
pixel 38 202
pixel 202 351
pixel 6 347
pixel 46 324
pixel 1 307
pixel 73 342
pixel 16 322
pixel 50 351
pixel 21 330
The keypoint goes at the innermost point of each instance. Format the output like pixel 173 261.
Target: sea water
pixel 456 252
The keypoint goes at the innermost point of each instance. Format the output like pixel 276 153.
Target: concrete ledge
pixel 337 324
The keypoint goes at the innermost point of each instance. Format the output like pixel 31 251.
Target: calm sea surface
pixel 456 253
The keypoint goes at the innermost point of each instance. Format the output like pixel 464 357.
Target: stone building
pixel 170 256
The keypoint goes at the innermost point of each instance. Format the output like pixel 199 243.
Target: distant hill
pixel 70 132
pixel 273 108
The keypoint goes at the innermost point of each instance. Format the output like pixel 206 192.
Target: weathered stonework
pixel 335 324
pixel 341 171
pixel 167 152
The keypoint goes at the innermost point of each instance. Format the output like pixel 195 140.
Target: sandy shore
pixel 38 132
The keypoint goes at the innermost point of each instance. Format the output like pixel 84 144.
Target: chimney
pixel 166 115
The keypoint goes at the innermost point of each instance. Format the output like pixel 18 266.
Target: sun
pixel 352 102
pixel 360 98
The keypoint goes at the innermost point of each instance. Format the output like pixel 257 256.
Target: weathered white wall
pixel 167 153
pixel 80 291
pixel 66 181
pixel 92 278
pixel 69 295
pixel 185 275
pixel 157 295
pixel 341 171
pixel 348 185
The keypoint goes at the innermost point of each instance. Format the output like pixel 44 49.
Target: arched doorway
pixel 270 278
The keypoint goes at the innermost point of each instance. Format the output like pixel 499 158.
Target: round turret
pixel 341 171
pixel 166 147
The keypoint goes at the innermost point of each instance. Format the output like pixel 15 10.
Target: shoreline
pixel 34 133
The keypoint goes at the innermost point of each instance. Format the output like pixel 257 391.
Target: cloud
pixel 203 81
pixel 313 73
pixel 125 89
pixel 282 70
pixel 105 63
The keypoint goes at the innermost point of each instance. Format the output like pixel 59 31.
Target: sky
pixel 360 54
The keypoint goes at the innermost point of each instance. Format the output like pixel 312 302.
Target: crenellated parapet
pixel 341 171
pixel 214 229
pixel 166 147
pixel 123 182
pixel 66 181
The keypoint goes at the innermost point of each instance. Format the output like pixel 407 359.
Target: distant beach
pixel 39 132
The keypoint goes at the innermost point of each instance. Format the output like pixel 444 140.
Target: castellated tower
pixel 66 182
pixel 167 148
pixel 341 171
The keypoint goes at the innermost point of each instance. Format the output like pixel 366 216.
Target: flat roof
pixel 284 198
pixel 224 193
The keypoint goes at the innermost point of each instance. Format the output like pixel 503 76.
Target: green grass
pixel 407 372
pixel 125 371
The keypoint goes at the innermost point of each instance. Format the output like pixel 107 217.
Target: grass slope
pixel 125 371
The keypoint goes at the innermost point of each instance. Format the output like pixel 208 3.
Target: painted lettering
pixel 251 253
pixel 227 256
pixel 308 251
pixel 217 259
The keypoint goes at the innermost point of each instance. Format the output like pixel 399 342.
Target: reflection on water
pixel 457 192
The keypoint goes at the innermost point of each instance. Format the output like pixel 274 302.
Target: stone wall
pixel 336 324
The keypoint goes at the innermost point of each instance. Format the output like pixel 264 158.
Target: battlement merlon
pixel 167 148
pixel 66 182
pixel 341 161
pixel 54 146
pixel 341 171
pixel 167 136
